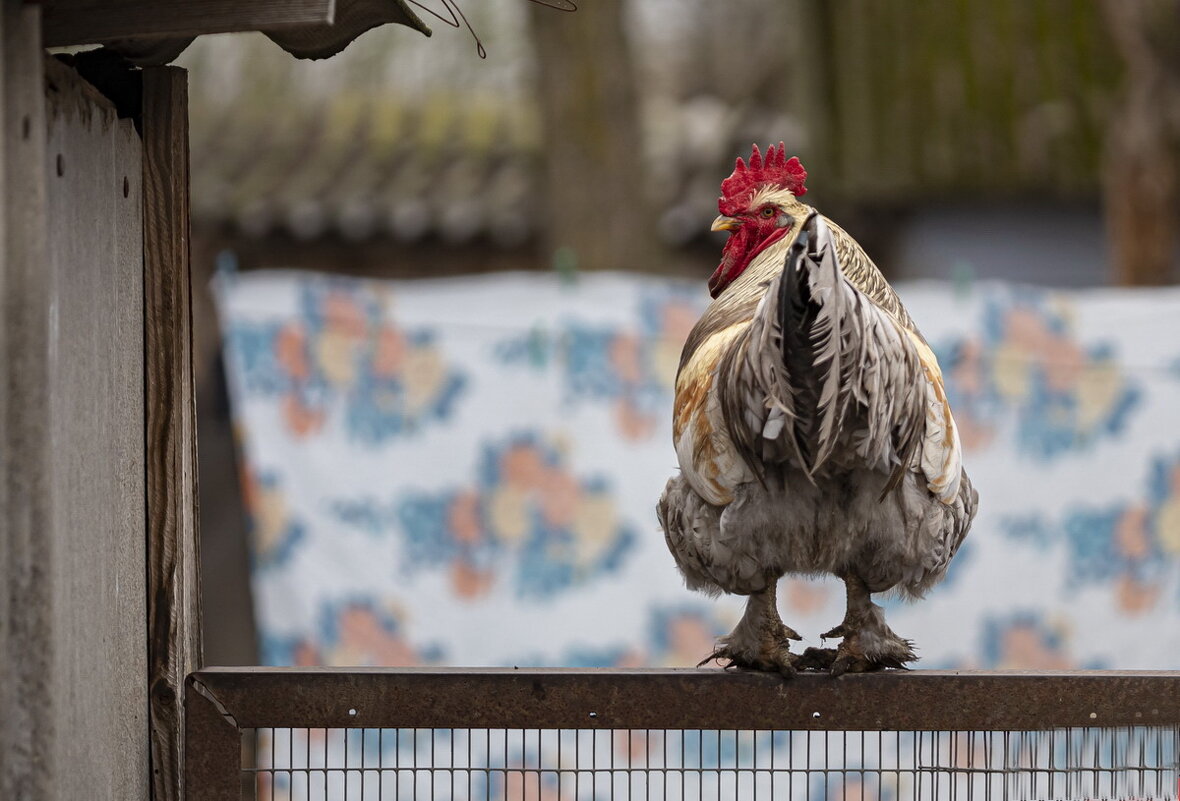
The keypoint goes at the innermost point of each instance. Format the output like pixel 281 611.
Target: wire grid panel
pixel 368 764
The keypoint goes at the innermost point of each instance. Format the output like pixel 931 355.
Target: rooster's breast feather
pixel 704 449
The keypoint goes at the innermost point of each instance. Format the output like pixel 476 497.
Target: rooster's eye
pixel 768 212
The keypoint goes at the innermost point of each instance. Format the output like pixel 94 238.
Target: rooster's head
pixel 758 207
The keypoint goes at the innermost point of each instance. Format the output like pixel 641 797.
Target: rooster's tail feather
pixel 837 352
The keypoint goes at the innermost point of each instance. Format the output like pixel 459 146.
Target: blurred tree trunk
pixel 1141 168
pixel 599 216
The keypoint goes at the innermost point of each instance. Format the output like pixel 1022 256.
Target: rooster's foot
pixel 760 641
pixel 779 660
pixel 866 651
pixel 869 644
pixel 770 653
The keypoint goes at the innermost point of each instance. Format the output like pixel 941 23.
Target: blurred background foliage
pixel 641 105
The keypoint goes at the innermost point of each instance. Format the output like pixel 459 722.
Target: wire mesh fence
pixel 679 735
pixel 707 765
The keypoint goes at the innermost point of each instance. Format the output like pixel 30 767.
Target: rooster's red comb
pixel 776 169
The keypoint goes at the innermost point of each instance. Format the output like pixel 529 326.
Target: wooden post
pixel 1141 176
pixel 95 358
pixel 72 645
pixel 26 731
pixel 597 209
pixel 174 625
pixel 213 767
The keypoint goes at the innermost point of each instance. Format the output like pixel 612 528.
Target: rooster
pixel 812 430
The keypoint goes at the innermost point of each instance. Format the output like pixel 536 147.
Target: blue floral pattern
pixel 1026 357
pixel 344 353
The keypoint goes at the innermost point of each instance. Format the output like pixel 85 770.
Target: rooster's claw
pixel 779 660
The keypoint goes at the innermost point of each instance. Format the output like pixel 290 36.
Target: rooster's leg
pixel 869 644
pixel 760 641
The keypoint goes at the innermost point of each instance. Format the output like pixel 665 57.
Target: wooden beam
pixel 74 22
pixel 174 624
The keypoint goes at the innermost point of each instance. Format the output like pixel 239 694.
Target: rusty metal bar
pixel 685 699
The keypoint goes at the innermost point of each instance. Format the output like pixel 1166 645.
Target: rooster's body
pixel 812 431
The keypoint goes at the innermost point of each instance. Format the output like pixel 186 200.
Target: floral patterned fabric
pixel 464 472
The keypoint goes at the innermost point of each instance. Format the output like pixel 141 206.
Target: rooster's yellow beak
pixel 724 223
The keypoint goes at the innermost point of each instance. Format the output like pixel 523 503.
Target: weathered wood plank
pixel 173 557
pixel 95 250
pixel 72 22
pixel 26 505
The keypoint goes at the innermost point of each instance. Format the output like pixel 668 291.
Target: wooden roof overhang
pixel 157 31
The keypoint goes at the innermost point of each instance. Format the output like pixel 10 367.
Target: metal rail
pixel 222 702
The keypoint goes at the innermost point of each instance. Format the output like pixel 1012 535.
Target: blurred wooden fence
pixel 954 96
